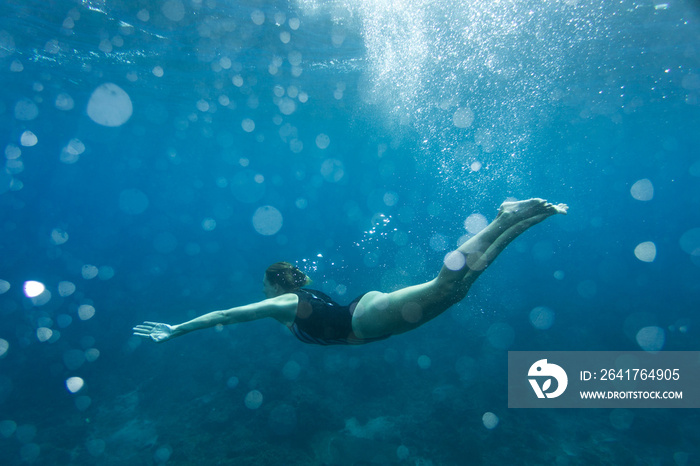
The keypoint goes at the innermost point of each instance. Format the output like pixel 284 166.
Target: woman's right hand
pixel 156 331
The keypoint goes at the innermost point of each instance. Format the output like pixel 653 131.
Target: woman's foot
pixel 512 213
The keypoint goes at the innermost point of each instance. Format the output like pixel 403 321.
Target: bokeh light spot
pixel 44 334
pixel 645 252
pixel 690 242
pixel 109 105
pixel 65 289
pixel 642 190
pixel 258 17
pixel 500 335
pixel 490 420
pixel 174 10
pixel 651 338
pixel 26 110
pixel 248 125
pixel 323 141
pixel 267 220
pixel 64 102
pixel 28 139
pixel 74 384
pixel 253 400
pixel 86 312
pixel 455 260
pixel 475 223
pixel 424 362
pixel 89 271
pixel 133 201
pixel 32 288
pixel 463 118
pixel 291 370
pixel 542 318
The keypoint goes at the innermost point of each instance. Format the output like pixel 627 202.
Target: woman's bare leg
pixel 379 314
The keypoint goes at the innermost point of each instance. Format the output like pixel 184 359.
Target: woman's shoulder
pixel 308 293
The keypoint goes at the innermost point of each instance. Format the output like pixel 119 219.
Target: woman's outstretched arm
pixel 283 308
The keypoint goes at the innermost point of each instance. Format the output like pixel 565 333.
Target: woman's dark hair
pixel 287 276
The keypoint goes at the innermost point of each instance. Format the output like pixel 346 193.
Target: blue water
pixel 159 155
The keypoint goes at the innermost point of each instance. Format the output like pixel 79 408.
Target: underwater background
pixel 159 155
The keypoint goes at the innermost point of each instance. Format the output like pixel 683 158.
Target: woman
pixel 313 317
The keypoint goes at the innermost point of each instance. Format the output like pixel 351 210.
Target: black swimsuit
pixel 322 321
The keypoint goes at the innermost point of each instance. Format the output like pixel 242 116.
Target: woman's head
pixel 286 277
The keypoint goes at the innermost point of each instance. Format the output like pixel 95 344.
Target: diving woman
pixel 315 318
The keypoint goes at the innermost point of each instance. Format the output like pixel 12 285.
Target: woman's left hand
pixel 156 331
